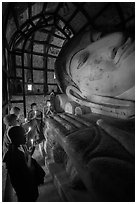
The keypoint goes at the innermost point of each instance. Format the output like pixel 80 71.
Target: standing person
pixel 22 178
pixel 10 121
pixel 35 119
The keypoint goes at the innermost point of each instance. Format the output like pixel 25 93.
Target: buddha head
pixel 96 66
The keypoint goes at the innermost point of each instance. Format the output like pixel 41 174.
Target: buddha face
pixel 105 67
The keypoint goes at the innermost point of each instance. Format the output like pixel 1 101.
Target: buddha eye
pixel 82 59
pixel 113 53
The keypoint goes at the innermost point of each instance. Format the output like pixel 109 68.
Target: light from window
pixel 29 87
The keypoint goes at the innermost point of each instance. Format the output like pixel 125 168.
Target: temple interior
pixel 68 81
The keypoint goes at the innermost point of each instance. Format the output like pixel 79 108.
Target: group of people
pixel 19 142
pixel 33 121
pixel 24 172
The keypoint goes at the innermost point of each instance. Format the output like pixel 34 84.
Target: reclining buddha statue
pixel 98 71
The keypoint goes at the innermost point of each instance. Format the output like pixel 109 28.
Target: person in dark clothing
pixel 18 162
pixel 9 120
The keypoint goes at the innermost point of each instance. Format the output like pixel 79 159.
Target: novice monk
pixel 16 111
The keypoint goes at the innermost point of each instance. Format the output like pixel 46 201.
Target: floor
pixel 47 191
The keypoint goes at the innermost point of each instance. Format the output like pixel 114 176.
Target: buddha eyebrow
pixel 72 59
pixel 83 58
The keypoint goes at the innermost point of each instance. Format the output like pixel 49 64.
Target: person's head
pixel 16 111
pixel 48 103
pixel 104 67
pixel 17 135
pixel 10 120
pixel 34 106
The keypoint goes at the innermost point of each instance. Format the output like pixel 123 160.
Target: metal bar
pixel 36 68
pixel 45 71
pixel 8 80
pixel 47 31
pixel 14 64
pixel 28 94
pixel 46 49
pixel 36 83
pixel 45 43
pixel 67 25
pixel 17 52
pixel 48 39
pixel 23 83
pixel 52 84
pixel 50 70
pixel 42 12
pixel 40 28
pixel 4 24
pixel 37 53
pixel 15 77
pixel 16 101
pixel 62 31
pixel 4 70
pixel 31 60
pixel 26 23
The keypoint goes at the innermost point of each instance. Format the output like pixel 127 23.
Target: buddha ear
pixel 75 94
